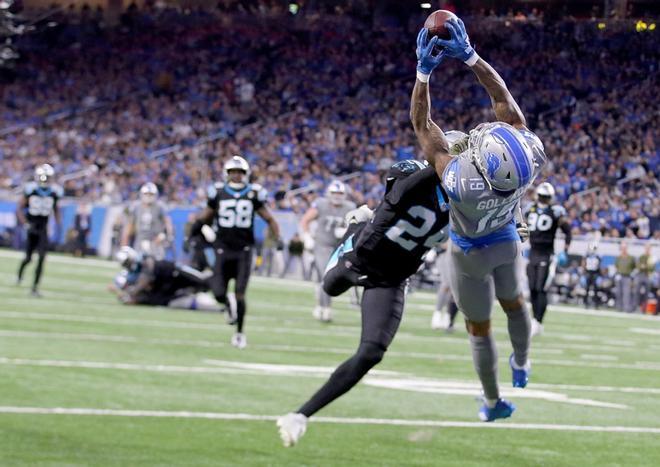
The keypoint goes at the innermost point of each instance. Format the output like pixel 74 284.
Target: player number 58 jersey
pixel 235 209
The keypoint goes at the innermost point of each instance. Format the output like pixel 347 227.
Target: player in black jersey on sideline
pixel 231 206
pixel 543 219
pixel 379 254
pixel 39 201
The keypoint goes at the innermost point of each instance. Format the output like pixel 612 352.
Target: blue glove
pixel 426 61
pixel 459 45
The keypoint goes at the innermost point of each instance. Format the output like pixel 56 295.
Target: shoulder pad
pixel 558 210
pixel 30 188
pixel 261 192
pixel 212 190
pixel 57 190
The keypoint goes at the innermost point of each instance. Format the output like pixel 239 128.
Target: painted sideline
pixel 336 420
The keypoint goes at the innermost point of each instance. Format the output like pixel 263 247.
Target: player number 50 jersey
pixel 234 214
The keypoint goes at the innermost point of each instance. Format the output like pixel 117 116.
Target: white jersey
pixel 330 218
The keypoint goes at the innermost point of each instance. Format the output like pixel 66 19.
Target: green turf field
pixel 86 381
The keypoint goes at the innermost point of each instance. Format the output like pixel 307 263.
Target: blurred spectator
pixel 625 265
pixel 591 265
pixel 643 277
pixel 295 256
pixel 82 225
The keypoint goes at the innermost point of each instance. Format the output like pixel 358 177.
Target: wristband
pixel 423 77
pixel 472 60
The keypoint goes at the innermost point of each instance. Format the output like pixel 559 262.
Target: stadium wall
pixel 104 217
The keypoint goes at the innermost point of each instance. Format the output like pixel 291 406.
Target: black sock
pixel 37 272
pixel 534 298
pixel 453 311
pixel 24 263
pixel 542 304
pixel 240 313
pixel 344 377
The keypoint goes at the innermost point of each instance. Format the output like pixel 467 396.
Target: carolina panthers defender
pixel 231 206
pixel 378 254
pixel 543 219
pixel 329 213
pixel 39 201
pixel 145 280
pixel 149 228
pixel 485 184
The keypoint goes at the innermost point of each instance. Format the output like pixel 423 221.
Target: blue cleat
pixel 520 376
pixel 502 409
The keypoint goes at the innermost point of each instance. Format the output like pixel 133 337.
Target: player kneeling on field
pixel 379 254
pixel 145 280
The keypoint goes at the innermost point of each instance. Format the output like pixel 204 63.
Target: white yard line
pixel 328 331
pixel 439 357
pixel 336 420
pixel 653 332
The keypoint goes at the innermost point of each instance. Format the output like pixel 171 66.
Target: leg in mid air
pixel 243 268
pixel 473 287
pixel 508 293
pixel 382 308
pixel 322 311
pixel 31 245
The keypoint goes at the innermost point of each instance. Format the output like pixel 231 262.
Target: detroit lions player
pixel 485 184
pixel 380 251
pixel 149 228
pixel 329 212
pixel 231 207
pixel 39 201
pixel 543 219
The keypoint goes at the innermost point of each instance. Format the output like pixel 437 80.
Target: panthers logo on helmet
pixel 408 166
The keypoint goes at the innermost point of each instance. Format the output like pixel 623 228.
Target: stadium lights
pixel 601 26
pixel 652 27
pixel 426 6
pixel 293 8
pixel 641 26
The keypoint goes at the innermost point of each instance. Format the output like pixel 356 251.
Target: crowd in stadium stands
pixel 167 95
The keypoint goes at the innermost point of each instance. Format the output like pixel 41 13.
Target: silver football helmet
pixel 545 193
pixel 148 193
pixel 43 174
pixel 502 154
pixel 336 192
pixel 237 163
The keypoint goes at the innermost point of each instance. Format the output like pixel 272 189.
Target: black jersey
pixel 40 203
pixel 411 219
pixel 235 209
pixel 543 222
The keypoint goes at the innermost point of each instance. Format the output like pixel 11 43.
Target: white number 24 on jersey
pixel 396 232
pixel 235 213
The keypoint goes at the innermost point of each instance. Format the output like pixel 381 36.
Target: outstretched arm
pixel 505 107
pixel 431 138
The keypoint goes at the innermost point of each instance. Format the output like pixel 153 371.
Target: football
pixel 436 23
